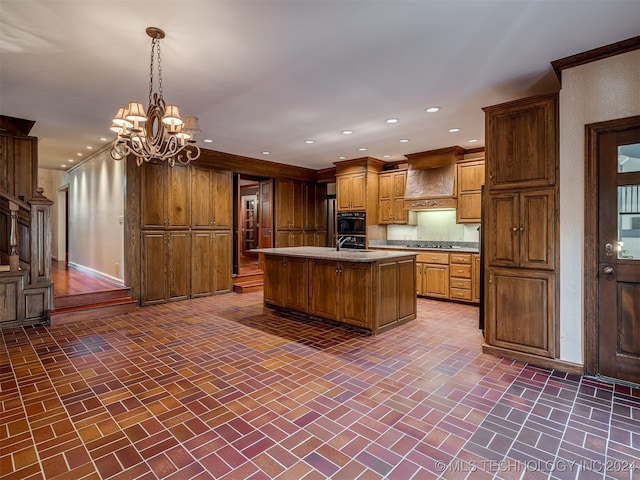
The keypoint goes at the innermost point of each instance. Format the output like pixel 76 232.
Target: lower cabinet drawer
pixel 463 271
pixel 460 283
pixel 460 294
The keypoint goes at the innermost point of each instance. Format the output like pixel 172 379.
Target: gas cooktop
pixel 431 245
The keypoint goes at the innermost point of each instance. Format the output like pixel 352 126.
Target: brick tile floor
pixel 220 388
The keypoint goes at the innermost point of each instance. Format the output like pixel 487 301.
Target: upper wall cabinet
pixel 470 181
pixel 357 186
pixel 165 196
pixel 391 198
pixel 211 198
pixel 523 143
pixel 289 205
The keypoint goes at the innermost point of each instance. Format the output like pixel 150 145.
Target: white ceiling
pixel 267 75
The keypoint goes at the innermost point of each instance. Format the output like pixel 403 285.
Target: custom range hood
pixel 431 179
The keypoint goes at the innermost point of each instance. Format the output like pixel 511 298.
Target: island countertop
pixel 330 253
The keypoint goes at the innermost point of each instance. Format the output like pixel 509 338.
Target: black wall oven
pixel 352 223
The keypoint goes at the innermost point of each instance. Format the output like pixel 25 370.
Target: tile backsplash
pixel 435 226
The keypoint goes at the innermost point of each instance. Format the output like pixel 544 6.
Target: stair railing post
pixel 14 256
pixel 40 251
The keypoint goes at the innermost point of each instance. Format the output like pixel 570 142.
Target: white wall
pixel 96 214
pixel 604 90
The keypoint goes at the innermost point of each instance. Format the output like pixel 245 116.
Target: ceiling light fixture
pixel 473 140
pixel 347 132
pixel 207 140
pixel 432 109
pixel 391 120
pixel 362 149
pixel 454 130
pixel 266 152
pixel 309 141
pixel 404 140
pixel 160 134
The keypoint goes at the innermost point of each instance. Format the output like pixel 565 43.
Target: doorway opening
pixel 253 222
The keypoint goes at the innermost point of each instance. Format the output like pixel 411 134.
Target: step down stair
pixel 248 283
pixel 91 305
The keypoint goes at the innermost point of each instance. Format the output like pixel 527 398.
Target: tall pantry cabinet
pixel 178 233
pixel 520 240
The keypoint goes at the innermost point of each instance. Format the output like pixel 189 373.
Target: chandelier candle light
pixel 160 133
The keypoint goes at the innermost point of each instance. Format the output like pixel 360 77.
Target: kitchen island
pixel 373 290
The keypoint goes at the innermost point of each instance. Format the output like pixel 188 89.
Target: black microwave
pixel 352 223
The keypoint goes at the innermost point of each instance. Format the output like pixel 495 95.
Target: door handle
pixel 608 270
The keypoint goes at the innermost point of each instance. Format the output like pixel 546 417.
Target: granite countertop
pixel 330 253
pixel 453 249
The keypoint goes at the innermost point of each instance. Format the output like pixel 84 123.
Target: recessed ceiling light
pixel 454 130
pixel 89 147
pixel 70 161
pixel 362 149
pixel 207 140
pixel 266 152
pixel 391 120
pixel 386 156
pixel 347 132
pixel 342 157
pixel 404 140
pixel 79 154
pixel 432 109
pixel 63 166
pixel 102 139
pixel 472 140
pixel 309 141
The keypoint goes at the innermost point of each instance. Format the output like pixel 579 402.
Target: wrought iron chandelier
pixel 160 133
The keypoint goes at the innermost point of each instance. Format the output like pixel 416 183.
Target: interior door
pixel 619 255
pixel 265 214
pixel 249 224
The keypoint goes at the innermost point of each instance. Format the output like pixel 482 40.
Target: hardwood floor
pixel 71 281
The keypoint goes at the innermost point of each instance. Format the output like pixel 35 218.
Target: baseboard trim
pixel 96 273
pixel 554 363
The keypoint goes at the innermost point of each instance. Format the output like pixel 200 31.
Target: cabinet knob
pixel 515 229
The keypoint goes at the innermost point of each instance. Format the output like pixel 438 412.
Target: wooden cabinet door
pixel 399 184
pixel 222 199
pixel 470 180
pixel 221 245
pixel 359 191
pixel 310 205
pixel 503 230
pixel 419 279
pixel 154 268
pixel 475 278
pixel 521 143
pixel 436 280
pixel 297 279
pixel 406 289
pixel 521 310
pixel 323 288
pixel 297 206
pixel 202 264
pixel 283 205
pixel 537 229
pixel 178 197
pixel 355 294
pixel 275 290
pixel 201 197
pixel 343 193
pixel 178 265
pixel 154 195
pixel 388 301
pixel 385 211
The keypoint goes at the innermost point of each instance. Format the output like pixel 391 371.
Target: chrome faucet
pixel 341 242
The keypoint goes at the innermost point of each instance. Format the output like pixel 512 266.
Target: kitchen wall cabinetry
pixel 211 199
pixel 165 196
pixel 391 198
pixel 520 228
pixel 357 187
pixel 301 214
pixel 180 225
pixel 470 181
pixel 520 234
pixel 522 143
pixel 210 262
pixel 165 266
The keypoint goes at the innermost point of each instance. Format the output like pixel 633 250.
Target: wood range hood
pixel 431 179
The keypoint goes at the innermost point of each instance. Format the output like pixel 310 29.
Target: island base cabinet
pixel 286 281
pixel 341 291
pixel 520 311
pixel 396 286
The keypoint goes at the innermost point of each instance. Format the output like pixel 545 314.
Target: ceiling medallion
pixel 160 133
